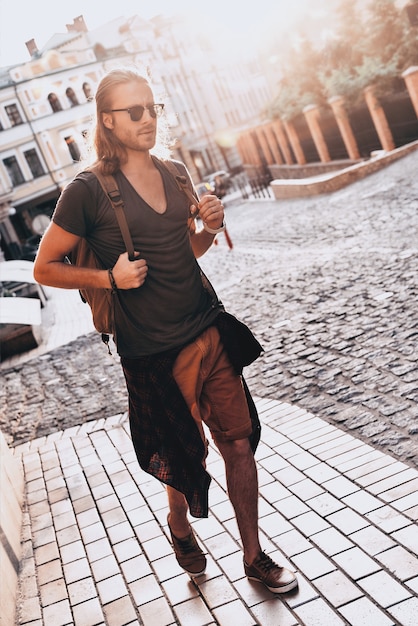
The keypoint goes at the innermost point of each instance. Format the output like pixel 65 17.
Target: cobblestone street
pixel 329 286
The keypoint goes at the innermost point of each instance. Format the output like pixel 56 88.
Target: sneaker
pixel 188 553
pixel 277 579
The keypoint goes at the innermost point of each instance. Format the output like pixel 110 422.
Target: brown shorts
pixel 212 389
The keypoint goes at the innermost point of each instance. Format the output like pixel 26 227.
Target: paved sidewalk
pixel 339 512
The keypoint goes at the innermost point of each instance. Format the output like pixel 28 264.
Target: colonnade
pixel 277 141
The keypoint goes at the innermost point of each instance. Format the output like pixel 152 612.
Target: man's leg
pixel 242 482
pixel 188 553
pixel 177 517
pixel 241 476
pixel 214 394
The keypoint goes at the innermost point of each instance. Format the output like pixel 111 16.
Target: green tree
pixel 367 44
pixel 343 52
pixel 300 85
pixel 408 47
pixel 344 49
pixel 388 47
pixel 384 32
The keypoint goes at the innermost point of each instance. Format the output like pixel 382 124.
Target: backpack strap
pixel 185 185
pixel 183 182
pixel 111 189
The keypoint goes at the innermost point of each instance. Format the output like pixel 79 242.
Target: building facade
pixel 46 110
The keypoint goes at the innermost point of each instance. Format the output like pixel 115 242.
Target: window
pixel 73 148
pixel 54 102
pixel 87 91
pixel 14 171
pixel 13 114
pixel 34 163
pixel 70 93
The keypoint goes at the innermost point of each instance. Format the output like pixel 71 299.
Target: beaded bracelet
pixel 112 279
pixel 214 231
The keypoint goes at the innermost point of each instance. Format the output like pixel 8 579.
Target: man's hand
pixel 129 274
pixel 211 211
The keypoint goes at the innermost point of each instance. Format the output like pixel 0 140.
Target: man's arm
pixel 211 212
pixel 51 268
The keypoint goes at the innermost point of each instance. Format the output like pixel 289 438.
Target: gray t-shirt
pixel 172 306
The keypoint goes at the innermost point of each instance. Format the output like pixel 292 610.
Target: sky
pixel 251 22
pixel 41 19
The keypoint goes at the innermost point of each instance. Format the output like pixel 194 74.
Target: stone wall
pixel 307 170
pixel 11 502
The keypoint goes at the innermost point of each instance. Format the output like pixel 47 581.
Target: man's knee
pixel 235 449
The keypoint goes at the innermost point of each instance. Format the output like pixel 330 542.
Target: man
pixel 168 322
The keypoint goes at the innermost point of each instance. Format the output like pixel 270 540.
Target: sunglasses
pixel 136 112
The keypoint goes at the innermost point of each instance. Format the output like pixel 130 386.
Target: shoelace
pixel 187 545
pixel 265 563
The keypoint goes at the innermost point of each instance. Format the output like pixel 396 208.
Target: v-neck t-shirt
pixel 172 306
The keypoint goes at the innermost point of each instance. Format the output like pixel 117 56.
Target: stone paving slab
pixel 334 509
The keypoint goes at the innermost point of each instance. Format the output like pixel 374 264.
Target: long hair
pixel 110 152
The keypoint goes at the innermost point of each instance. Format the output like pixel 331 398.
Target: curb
pixel 332 181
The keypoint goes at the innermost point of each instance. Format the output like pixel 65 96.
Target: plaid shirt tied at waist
pixel 166 439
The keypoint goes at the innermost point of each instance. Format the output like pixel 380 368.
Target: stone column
pixel 283 141
pixel 249 150
pixel 410 77
pixel 242 149
pixel 272 141
pixel 311 113
pixel 265 148
pixel 338 108
pixel 379 119
pixel 295 143
pixel 255 158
